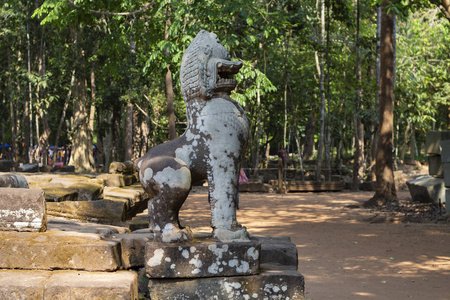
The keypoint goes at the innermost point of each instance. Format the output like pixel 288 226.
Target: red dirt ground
pixel 341 254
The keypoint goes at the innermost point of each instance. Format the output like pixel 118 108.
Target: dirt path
pixel 341 255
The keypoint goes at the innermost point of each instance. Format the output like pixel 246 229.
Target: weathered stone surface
pixel 434 139
pixel 277 250
pixel 140 221
pixel 201 258
pixel 17 284
pixel 86 285
pixel 13 181
pixel 87 189
pixel 59 194
pixel 447 197
pixel 22 210
pixel 57 250
pixel 112 180
pixel 445 151
pixel 274 282
pixel 103 230
pixel 129 179
pixel 132 196
pixel 6 165
pixel 101 211
pixel 435 166
pixel 133 248
pixel 427 189
pixel 254 187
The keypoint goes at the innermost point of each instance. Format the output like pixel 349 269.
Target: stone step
pixel 56 249
pixel 274 282
pixel 19 284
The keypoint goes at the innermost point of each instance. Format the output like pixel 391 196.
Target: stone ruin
pixel 43 257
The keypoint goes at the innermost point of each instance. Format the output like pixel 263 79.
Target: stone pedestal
pixel 274 282
pixel 22 210
pixel 427 189
pixel 203 257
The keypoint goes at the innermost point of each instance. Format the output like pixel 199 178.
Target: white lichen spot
pixel 157 228
pixel 192 249
pixel 284 288
pixel 246 297
pixel 243 268
pixel 233 263
pixel 139 164
pixel 197 264
pixel 156 259
pixel 253 253
pixel 213 268
pixel 172 266
pixel 148 174
pixel 276 289
pixel 168 259
pixel 185 254
pixel 255 295
pixel 180 178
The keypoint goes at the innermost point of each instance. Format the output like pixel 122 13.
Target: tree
pixel 385 186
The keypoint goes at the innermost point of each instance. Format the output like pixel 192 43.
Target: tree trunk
pixel 169 82
pixel 308 148
pixel 12 111
pixel 81 142
pixel 319 65
pixel 129 132
pixel 385 187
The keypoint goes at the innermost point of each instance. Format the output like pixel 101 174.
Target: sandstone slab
pixel 59 194
pixel 101 211
pixel 58 250
pixel 132 196
pixel 18 284
pixel 22 210
pixel 112 180
pixel 274 282
pixel 427 189
pixel 133 249
pixel 13 181
pixel 202 258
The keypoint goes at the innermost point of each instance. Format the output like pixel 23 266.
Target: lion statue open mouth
pixel 211 148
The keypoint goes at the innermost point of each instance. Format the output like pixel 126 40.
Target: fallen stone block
pixel 6 165
pixel 427 189
pixel 140 221
pixel 28 168
pixel 435 166
pixel 201 258
pixel 274 282
pixel 277 250
pixel 112 180
pixel 433 141
pixel 314 186
pixel 59 194
pixel 87 189
pixel 58 250
pixel 132 196
pixel 22 210
pixel 101 211
pixel 13 181
pixel 16 284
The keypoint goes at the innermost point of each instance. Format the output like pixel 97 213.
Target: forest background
pixel 81 73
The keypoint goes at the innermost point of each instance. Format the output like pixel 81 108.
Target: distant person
pixel 284 156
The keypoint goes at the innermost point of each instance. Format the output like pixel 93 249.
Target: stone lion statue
pixel 211 148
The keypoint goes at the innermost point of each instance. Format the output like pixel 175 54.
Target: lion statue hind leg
pixel 169 180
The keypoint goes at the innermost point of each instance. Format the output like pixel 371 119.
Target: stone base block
pixel 435 166
pixel 58 250
pixel 273 283
pixel 427 189
pixel 203 257
pixel 101 211
pixel 6 165
pixel 434 139
pixel 277 250
pixel 15 284
pixel 22 210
